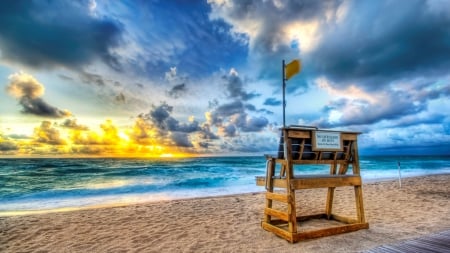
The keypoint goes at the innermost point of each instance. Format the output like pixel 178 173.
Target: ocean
pixel 37 185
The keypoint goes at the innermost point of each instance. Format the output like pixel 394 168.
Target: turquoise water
pixel 40 184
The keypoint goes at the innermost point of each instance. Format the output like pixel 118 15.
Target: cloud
pixel 160 115
pixel 120 98
pixel 231 117
pixel 399 105
pixel 143 132
pixel 90 78
pixel 72 124
pixel 161 35
pixel 168 129
pixel 57 33
pixel 274 29
pixel 110 133
pixel 107 138
pixel 272 102
pixel 235 87
pixel 254 124
pixel 29 91
pixel 236 114
pixel 177 90
pixel 6 146
pixel 181 139
pixel 48 134
pixel 384 40
pixel 227 130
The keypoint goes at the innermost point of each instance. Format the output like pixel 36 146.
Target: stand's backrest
pixel 312 145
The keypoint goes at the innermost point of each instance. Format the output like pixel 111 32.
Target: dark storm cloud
pixel 362 112
pixel 53 33
pixel 268 40
pixel 255 124
pixel 291 10
pixel 120 98
pixel 228 130
pixel 272 102
pixel 64 77
pixel 181 139
pixel 226 110
pixel 384 40
pixel 178 132
pixel 413 120
pixel 176 33
pixel 235 88
pixel 29 91
pixel 206 133
pixel 177 90
pixel 8 146
pixel 39 107
pixel 159 115
pixel 89 78
pixel 402 106
pixel 231 117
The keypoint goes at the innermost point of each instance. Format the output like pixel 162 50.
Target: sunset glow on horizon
pixel 175 79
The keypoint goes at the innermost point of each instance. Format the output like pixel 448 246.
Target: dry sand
pixel 232 223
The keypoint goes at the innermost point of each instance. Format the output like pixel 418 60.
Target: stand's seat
pixel 303 146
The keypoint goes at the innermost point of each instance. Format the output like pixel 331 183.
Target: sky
pixel 192 78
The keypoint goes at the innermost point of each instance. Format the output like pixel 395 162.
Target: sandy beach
pixel 232 223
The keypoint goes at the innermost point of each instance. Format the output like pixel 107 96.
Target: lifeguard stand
pixel 306 146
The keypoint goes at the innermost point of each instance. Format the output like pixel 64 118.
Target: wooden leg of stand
pixel 292 212
pixel 359 204
pixel 269 186
pixel 329 206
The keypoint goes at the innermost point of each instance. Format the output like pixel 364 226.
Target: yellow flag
pixel 292 68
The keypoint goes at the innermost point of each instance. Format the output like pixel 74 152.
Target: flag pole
pixel 284 95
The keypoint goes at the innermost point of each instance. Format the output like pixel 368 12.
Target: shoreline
pixel 231 223
pixel 121 204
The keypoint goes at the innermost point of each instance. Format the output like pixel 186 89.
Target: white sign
pixel 327 140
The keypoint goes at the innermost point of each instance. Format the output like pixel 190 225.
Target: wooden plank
pixel 311 216
pixel 343 219
pixel 261 181
pixel 324 181
pixel 349 136
pixel 299 134
pixel 315 161
pixel 278 231
pixel 277 197
pixel 278 222
pixel 279 214
pixel 315 181
pixel 329 231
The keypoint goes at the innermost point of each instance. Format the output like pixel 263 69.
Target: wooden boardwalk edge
pixel 437 243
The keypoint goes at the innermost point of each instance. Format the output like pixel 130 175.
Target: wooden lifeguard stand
pixel 303 146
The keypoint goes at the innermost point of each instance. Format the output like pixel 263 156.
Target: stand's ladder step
pixel 277 197
pixel 278 214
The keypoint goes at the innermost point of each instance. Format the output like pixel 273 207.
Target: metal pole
pixel 284 95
